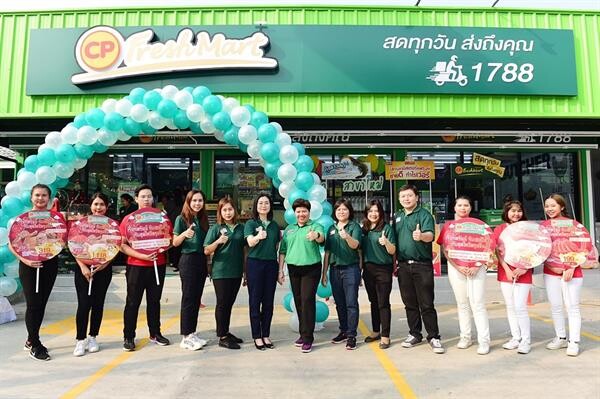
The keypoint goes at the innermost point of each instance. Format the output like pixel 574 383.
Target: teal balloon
pixel 79 120
pixel 300 148
pixel 231 136
pixel 95 118
pixel 65 153
pixel 326 221
pixel 243 147
pixel 99 147
pixel 272 167
pixel 212 104
pixel 258 119
pixel 60 182
pixel 250 108
pixel 136 96
pixel 324 291
pixel 327 208
pixel 131 127
pixel 26 198
pixel 294 195
pixel 270 153
pixel 83 151
pixel 200 93
pixel 304 181
pixel 289 216
pixel 181 120
pixel 195 128
pixel 267 133
pixel 167 108
pixel 322 312
pixel 12 206
pixel 221 120
pixel 114 121
pixel 189 89
pixel 147 129
pixel 31 163
pixel 46 157
pixel 287 301
pixel 276 182
pixel 151 99
pixel 304 163
pixel 5 255
pixel 8 286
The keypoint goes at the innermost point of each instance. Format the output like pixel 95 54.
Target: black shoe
pixel 369 338
pixel 269 345
pixel 27 346
pixel 228 343
pixel 128 344
pixel 338 339
pixel 351 343
pixel 260 347
pixel 383 345
pixel 39 353
pixel 160 340
pixel 234 338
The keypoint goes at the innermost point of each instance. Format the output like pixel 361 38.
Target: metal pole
pixel 430 197
pixel 542 199
pixel 495 204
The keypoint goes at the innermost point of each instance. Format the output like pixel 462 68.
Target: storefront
pixel 510 89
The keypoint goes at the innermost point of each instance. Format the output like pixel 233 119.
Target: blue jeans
pixel 344 284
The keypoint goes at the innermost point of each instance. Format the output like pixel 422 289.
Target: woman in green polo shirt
pixel 341 253
pixel 225 242
pixel 300 250
pixel 262 235
pixel 189 233
pixel 378 251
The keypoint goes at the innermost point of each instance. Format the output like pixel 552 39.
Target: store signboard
pixel 346 168
pixel 410 170
pixel 490 164
pixel 304 59
pixel 470 171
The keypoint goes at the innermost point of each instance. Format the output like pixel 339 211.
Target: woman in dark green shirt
pixel 189 232
pixel 262 235
pixel 225 242
pixel 378 249
pixel 341 253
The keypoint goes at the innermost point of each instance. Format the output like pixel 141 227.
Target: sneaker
pixel 92 345
pixel 189 343
pixel 299 342
pixel 338 339
pixel 483 349
pixel 80 347
pixel 524 348
pixel 573 349
pixel 27 346
pixel 39 353
pixel 200 341
pixel 306 347
pixel 228 343
pixel 158 339
pixel 557 343
pixel 351 343
pixel 128 344
pixel 512 344
pixel 436 346
pixel 411 341
pixel 234 338
pixel 464 343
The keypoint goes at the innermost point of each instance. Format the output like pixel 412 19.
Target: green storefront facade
pixel 339 97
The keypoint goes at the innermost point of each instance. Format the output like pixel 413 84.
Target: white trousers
pixel 470 296
pixel 515 298
pixel 558 292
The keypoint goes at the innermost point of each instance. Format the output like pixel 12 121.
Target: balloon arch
pixel 144 112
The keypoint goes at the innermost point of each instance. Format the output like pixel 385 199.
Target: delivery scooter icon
pixel 445 72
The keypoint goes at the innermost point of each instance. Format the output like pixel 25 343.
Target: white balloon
pixel 107 138
pixel 220 135
pixel 254 148
pixel 283 139
pixel 139 113
pixel 109 105
pixel 294 323
pixel 156 121
pixel 170 124
pixel 63 170
pixel 183 99
pixel 11 269
pixel 316 179
pixel 287 172
pixel 10 222
pixel 277 126
pixel 285 188
pixel 207 126
pixel 123 136
pixel 69 134
pixel 316 210
pixel 262 162
pixel 240 116
pixel 317 193
pixel 123 107
pixel 286 202
pixel 12 188
pixel 26 180
pixel 53 139
pixel 247 134
pixel 230 103
pixel 87 135
pixel 288 154
pixel 169 92
pixel 45 175
pixel 319 326
pixel 79 163
pixel 195 112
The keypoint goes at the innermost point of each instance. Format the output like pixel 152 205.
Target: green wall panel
pixel 14 31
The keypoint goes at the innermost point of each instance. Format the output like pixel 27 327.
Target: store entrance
pixel 170 179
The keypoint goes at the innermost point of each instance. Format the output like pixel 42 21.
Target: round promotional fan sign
pixel 38 235
pixel 571 243
pixel 94 239
pixel 525 244
pixel 148 230
pixel 468 242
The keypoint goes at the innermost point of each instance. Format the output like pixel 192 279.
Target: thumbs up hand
pixel 262 233
pixel 417 233
pixel 189 233
pixel 383 239
pixel 343 234
pixel 223 238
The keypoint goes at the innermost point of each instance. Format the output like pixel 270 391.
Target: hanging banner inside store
pixel 304 59
pixel 410 170
pixel 346 168
pixel 490 164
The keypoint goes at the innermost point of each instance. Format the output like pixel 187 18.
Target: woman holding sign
pixel 37 276
pixel 562 272
pixel 341 252
pixel 189 232
pixel 467 276
pixel 225 242
pixel 262 235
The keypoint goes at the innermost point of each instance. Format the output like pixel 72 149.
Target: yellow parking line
pixel 549 321
pixel 91 380
pixel 397 378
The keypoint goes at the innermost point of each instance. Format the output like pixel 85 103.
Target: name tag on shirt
pixel 332 233
pixel 398 219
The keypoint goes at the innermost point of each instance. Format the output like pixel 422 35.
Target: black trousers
pixel 378 283
pixel 262 282
pixel 36 302
pixel 416 289
pixel 304 281
pixel 91 306
pixel 226 290
pixel 193 273
pixel 140 279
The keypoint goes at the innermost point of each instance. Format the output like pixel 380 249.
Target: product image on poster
pixel 38 235
pixel 468 242
pixel 525 244
pixel 571 243
pixel 94 239
pixel 148 230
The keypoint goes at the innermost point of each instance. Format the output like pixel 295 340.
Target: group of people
pixel 256 253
